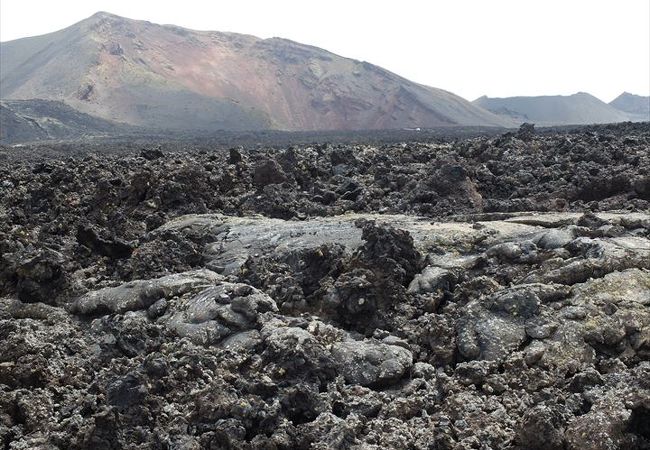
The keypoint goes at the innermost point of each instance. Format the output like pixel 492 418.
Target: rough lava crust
pixel 483 293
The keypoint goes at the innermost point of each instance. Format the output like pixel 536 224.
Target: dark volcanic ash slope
pixel 35 120
pixel 169 77
pixel 290 299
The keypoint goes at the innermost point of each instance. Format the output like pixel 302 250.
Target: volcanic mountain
pixel 163 76
pixel 636 106
pixel 576 109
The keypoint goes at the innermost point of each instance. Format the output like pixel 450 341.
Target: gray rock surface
pixel 343 307
pixel 141 294
pixel 217 312
pixel 431 279
pixel 371 363
pixel 493 317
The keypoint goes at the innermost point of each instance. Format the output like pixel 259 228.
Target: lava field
pixel 487 292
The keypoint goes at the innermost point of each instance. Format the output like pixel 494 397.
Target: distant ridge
pixel 164 76
pixel 637 106
pixel 576 109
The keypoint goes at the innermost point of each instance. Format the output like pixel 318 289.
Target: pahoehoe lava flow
pixel 487 292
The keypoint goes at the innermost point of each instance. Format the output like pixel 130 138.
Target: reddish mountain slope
pixel 169 77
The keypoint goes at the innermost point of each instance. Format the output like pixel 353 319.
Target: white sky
pixel 470 47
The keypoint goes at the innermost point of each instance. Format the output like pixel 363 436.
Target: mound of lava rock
pixel 484 293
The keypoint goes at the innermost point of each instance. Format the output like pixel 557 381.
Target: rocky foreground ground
pixel 484 293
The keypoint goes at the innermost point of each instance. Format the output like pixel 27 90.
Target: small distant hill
pixel 576 109
pixel 34 120
pixel 636 106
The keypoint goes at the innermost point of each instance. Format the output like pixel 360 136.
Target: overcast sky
pixel 470 47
